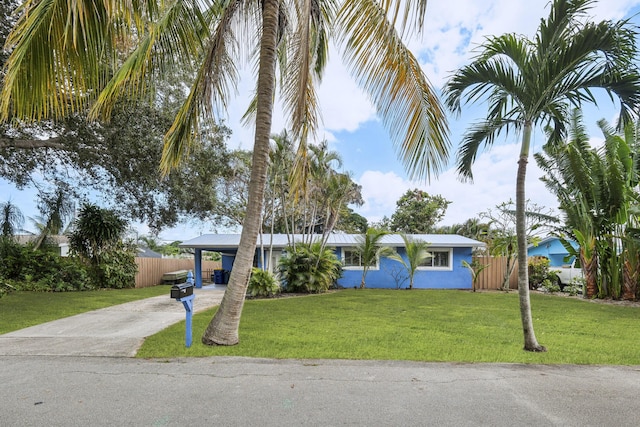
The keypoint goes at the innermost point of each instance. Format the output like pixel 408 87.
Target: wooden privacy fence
pixel 492 276
pixel 150 270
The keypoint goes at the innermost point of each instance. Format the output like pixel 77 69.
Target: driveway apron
pixel 116 331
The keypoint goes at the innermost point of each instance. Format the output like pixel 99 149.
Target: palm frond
pixel 178 37
pixel 214 81
pixel 58 58
pixel 308 58
pixel 482 133
pixel 391 75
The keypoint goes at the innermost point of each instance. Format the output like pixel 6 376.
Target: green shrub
pixel 549 286
pixel 117 268
pixel 41 271
pixel 539 271
pixel 12 258
pixel 263 284
pixel 309 268
pixel 575 287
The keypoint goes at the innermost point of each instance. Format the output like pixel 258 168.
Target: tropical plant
pixel 309 268
pixel 96 231
pixel 532 82
pixel 45 71
pixel 539 271
pixel 502 237
pixel 575 287
pixel 597 192
pixel 11 219
pixel 370 250
pixel 57 212
pixel 549 286
pixel 475 268
pixel 262 284
pixel 97 240
pixel 416 253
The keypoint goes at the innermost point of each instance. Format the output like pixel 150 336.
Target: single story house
pixel 147 253
pixel 444 270
pixel 59 240
pixel 551 248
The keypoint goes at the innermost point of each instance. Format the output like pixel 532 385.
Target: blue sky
pixel 452 29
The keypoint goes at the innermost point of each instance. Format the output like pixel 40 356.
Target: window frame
pixel 449 267
pixel 343 253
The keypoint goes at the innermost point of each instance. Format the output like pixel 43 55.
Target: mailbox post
pixel 184 294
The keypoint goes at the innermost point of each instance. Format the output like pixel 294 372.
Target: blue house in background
pixel 444 270
pixel 552 249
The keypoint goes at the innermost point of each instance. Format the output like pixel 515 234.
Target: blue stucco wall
pixel 384 277
pixel 553 250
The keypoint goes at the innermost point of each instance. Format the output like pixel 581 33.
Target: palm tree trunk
pixel 223 328
pixel 630 281
pixel 590 268
pixel 530 341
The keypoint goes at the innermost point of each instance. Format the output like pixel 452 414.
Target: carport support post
pixel 198 267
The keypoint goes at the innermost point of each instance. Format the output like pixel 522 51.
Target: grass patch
pixel 421 325
pixel 23 309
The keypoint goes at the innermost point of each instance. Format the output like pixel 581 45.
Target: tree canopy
pixel 417 212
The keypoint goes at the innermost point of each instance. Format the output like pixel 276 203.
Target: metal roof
pixel 231 241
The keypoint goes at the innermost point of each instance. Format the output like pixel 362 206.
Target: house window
pixel 351 258
pixel 440 259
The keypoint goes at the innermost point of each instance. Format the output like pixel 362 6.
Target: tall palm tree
pixel 60 49
pixel 534 82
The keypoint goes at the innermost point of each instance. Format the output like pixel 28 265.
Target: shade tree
pixel 417 212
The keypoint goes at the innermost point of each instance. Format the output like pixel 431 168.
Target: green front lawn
pixel 443 326
pixel 23 309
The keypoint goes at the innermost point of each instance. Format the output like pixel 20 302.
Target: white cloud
pixel 380 191
pixel 494 182
pixel 344 105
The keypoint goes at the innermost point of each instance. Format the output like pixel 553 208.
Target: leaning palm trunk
pixel 224 326
pixel 530 341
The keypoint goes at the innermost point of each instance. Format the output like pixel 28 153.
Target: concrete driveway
pixel 116 331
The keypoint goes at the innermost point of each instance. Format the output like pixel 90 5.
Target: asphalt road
pixel 79 371
pixel 106 391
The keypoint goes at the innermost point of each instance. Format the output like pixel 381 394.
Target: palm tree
pixel 532 82
pixel 416 254
pixel 11 219
pixel 58 64
pixel 57 213
pixel 370 250
pixel 475 268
